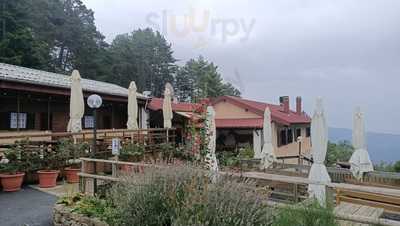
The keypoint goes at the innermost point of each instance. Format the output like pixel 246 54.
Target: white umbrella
pixel 211 158
pixel 167 109
pixel 360 162
pixel 132 107
pixel 267 153
pixel 76 104
pixel 319 176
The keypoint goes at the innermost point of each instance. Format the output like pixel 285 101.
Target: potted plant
pixel 50 165
pixel 131 153
pixel 10 174
pixel 71 153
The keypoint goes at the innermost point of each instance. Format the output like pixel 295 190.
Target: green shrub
pixel 228 158
pixel 91 206
pixel 182 196
pixel 246 152
pixel 132 152
pixel 305 215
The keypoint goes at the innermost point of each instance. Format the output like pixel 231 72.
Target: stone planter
pixel 63 216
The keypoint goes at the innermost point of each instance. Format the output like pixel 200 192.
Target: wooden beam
pixel 371 196
pixel 386 206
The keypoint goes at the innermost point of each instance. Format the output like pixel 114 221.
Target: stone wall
pixel 63 216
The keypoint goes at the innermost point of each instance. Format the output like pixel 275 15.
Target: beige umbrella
pixel 76 104
pixel 132 107
pixel 167 109
pixel 360 162
pixel 319 176
pixel 267 153
pixel 211 158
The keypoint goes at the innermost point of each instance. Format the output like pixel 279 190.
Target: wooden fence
pixel 142 136
pixel 335 189
pixel 338 175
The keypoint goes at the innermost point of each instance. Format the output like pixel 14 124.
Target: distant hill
pixel 381 146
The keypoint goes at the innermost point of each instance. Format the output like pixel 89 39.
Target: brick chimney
pixel 299 109
pixel 284 100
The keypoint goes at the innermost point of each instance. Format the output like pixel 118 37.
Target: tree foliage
pixel 200 79
pixel 338 152
pixel 143 56
pixel 60 35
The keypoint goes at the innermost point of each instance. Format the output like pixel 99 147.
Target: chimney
pixel 298 105
pixel 284 100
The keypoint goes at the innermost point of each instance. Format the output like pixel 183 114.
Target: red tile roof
pixel 256 107
pixel 239 123
pixel 156 104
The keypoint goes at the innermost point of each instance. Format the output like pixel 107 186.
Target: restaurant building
pixel 33 101
pixel 239 123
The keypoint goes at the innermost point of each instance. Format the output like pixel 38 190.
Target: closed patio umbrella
pixel 76 104
pixel 267 153
pixel 167 108
pixel 132 107
pixel 360 162
pixel 319 176
pixel 211 158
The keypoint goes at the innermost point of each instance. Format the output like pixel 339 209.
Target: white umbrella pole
pixel 319 176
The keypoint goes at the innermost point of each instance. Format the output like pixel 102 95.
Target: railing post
pixel 82 180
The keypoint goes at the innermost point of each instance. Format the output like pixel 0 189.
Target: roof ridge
pixel 57 74
pixel 253 101
pixel 40 77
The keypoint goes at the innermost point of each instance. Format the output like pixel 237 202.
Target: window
pixel 18 120
pixel 282 139
pixel 298 133
pixel 289 136
pixel 22 121
pixel 88 121
pixel 308 132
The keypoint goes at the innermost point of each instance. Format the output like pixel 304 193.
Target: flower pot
pixel 126 168
pixel 72 175
pixel 48 178
pixel 12 182
pixel 131 169
pixel 89 167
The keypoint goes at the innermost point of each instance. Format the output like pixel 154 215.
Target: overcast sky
pixel 347 51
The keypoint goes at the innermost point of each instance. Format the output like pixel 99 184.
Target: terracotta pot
pixel 133 169
pixel 12 182
pixel 72 175
pixel 89 167
pixel 48 178
pixel 126 168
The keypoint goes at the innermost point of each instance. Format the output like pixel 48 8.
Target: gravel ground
pixel 27 207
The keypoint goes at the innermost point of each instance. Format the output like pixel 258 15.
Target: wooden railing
pixel 88 182
pixel 338 175
pixel 140 135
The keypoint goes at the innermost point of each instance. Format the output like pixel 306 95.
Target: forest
pixel 61 35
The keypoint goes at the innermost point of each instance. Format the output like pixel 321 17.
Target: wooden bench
pixel 387 202
pixel 364 213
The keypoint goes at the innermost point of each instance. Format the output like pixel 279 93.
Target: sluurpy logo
pixel 201 25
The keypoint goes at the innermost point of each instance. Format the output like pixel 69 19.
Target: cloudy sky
pixel 347 51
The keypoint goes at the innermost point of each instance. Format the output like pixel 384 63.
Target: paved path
pixel 27 207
